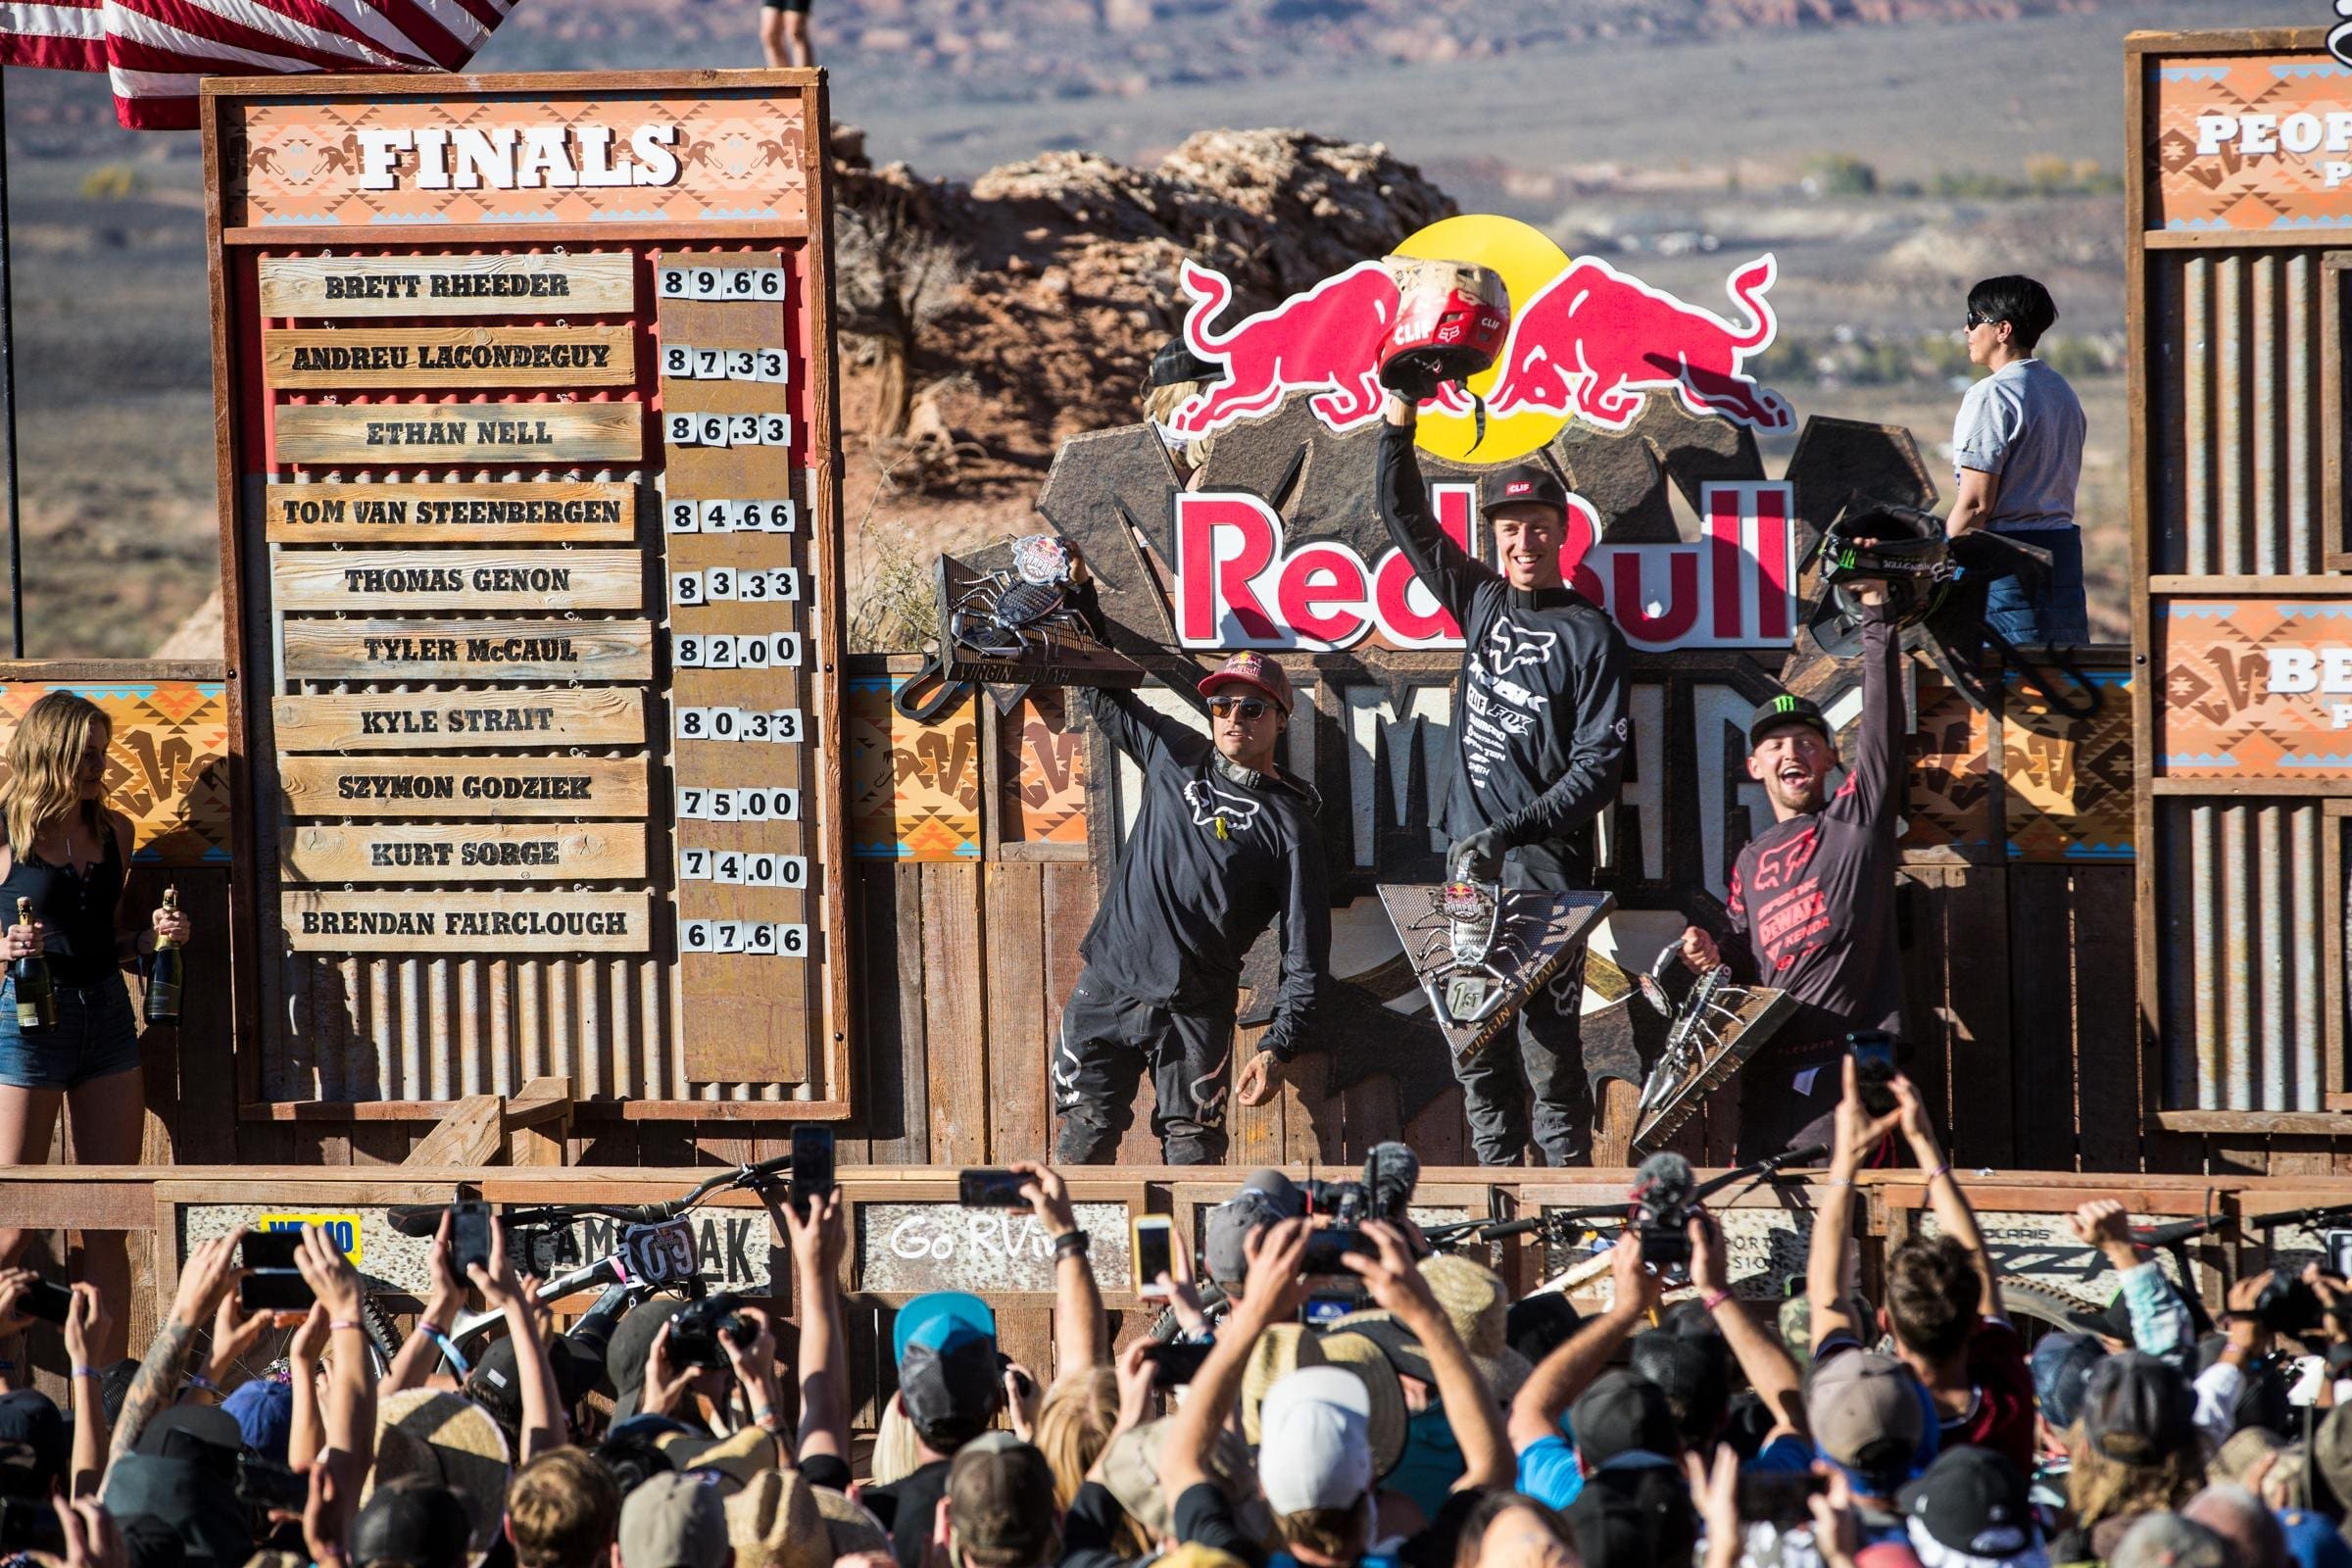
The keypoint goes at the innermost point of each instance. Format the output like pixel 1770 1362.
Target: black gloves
pixel 1479 858
pixel 1411 378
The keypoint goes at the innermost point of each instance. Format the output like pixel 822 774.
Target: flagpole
pixel 8 397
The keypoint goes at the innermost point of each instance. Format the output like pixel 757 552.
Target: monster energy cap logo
pixel 1783 710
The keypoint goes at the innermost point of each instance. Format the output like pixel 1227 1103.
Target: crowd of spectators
pixel 1437 1423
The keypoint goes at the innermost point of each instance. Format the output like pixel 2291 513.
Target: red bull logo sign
pixel 1586 342
pixel 1241 584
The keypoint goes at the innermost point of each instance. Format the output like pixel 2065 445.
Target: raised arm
pixel 1142 732
pixel 1569 1370
pixel 429 1340
pixel 351 1383
pixel 207 1274
pixel 1877 778
pixel 817 1244
pixel 1398 1287
pixel 1856 1133
pixel 85 1330
pixel 2160 1322
pixel 1270 1294
pixel 306 1433
pixel 1079 1340
pixel 544 1426
pixel 1762 1357
pixel 1954 1215
pixel 1449 572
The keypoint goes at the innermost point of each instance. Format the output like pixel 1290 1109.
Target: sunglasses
pixel 1251 707
pixel 1974 320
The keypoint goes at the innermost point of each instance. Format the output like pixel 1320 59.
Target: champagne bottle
pixel 36 999
pixel 166 972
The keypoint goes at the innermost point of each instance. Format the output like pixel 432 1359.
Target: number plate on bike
pixel 659 1254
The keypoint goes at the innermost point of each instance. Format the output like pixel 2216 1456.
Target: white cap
pixel 1315 1439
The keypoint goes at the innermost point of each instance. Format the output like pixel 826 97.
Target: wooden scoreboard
pixel 531 545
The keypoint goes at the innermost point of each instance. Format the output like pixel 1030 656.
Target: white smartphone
pixel 1155 1252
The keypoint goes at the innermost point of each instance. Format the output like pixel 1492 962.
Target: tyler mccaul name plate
pixel 468 650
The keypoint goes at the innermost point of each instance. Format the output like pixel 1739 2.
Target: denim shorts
pixel 96 1036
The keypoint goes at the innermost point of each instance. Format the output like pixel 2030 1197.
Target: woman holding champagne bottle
pixel 78 1046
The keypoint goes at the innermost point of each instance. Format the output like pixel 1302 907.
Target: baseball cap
pixel 1783 710
pixel 1260 672
pixel 411 1522
pixel 2167 1541
pixel 1265 1197
pixel 1317 1447
pixel 201 1432
pixel 1520 484
pixel 2061 1367
pixel 1001 1502
pixel 674 1522
pixel 497 1386
pixel 1970 1509
pixel 264 1411
pixel 948 1377
pixel 1176 363
pixel 196 1499
pixel 1632 1518
pixel 1693 1375
pixel 1621 1413
pixel 631 1346
pixel 2136 1409
pixel 1869 1416
pixel 1537 1325
pixel 941 1319
pixel 29 1417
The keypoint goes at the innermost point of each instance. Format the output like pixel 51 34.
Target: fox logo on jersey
pixel 1510 645
pixel 1213 808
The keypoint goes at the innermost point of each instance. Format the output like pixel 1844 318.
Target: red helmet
pixel 1451 318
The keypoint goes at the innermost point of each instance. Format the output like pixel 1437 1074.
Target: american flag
pixel 154 51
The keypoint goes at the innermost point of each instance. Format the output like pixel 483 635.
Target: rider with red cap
pixel 1224 844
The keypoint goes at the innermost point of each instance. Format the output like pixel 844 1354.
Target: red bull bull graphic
pixel 1589 343
pixel 1595 342
pixel 1239 583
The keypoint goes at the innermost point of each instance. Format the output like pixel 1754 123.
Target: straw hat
pixel 742 1456
pixel 776 1522
pixel 1282 1349
pixel 448 1440
pixel 1131 1474
pixel 850 1526
pixel 1368 1361
pixel 1478 1304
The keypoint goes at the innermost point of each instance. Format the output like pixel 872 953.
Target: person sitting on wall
pixel 1539 747
pixel 1224 842
pixel 2017 449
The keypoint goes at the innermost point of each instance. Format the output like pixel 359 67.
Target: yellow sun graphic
pixel 1526 260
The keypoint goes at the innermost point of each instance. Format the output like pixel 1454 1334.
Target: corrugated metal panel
pixel 2236 445
pixel 2243 892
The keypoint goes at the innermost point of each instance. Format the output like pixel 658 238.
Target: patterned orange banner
pixel 2239 142
pixel 2256 688
pixel 915 789
pixel 168 767
pixel 363 161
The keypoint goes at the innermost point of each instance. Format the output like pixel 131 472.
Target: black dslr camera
pixel 694 1332
pixel 1391 1173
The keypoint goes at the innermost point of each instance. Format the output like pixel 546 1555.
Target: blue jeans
pixel 2055 616
pixel 96 1036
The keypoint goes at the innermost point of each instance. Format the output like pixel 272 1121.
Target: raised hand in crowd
pixel 306 1353
pixel 1769 1368
pixel 15 1372
pixel 1271 1290
pixel 350 1413
pixel 236 1335
pixel 1954 1214
pixel 754 1366
pixel 820 1240
pixel 1398 1287
pixel 1837 1527
pixel 1568 1371
pixel 544 1426
pixel 421 1353
pixel 91 1539
pixel 1855 1133
pixel 1079 1337
pixel 208 1272
pixel 86 1321
pixel 326 1518
pixel 1715 1495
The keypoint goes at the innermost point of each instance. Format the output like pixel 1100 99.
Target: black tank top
pixel 78 908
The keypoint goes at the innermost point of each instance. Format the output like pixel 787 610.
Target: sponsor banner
pixel 2256 689
pixel 2238 142
pixel 1239 583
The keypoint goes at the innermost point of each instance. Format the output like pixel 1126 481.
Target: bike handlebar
pixel 423 1220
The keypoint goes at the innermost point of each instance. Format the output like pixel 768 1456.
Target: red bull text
pixel 1240 584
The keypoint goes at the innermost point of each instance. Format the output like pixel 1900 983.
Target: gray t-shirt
pixel 2024 424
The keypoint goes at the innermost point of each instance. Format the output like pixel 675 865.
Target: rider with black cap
pixel 1539 744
